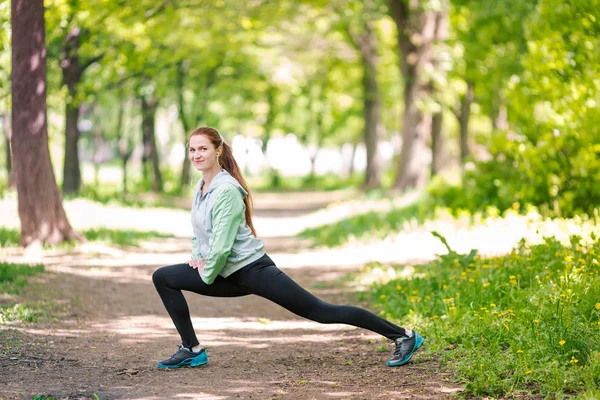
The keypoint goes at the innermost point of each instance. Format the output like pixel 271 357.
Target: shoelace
pixel 398 350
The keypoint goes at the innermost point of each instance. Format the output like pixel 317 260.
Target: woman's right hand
pixel 197 264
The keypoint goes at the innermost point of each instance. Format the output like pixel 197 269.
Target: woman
pixel 228 260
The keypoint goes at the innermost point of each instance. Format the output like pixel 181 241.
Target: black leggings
pixel 264 279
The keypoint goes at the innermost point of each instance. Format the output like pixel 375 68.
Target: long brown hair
pixel 228 163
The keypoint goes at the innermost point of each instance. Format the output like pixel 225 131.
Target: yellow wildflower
pixel 562 342
pixel 597 306
pixel 492 305
pixel 527 372
pixel 519 351
pixel 486 284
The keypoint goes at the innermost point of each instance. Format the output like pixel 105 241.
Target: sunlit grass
pixel 527 322
pixel 11 237
pixel 374 224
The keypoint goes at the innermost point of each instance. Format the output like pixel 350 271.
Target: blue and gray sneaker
pixel 405 347
pixel 183 357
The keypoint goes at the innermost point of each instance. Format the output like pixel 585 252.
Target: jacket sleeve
pixel 227 214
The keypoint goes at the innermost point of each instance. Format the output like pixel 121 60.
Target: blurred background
pixel 483 104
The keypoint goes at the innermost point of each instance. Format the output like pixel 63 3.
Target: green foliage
pixel 138 196
pixel 329 182
pixel 527 322
pixel 549 155
pixel 14 276
pixel 121 237
pixel 9 237
pixel 374 224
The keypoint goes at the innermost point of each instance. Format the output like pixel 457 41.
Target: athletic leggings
pixel 264 279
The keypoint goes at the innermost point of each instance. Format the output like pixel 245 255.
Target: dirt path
pixel 110 329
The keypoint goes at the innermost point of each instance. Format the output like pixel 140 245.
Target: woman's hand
pixel 197 264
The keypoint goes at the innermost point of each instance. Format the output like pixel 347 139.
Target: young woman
pixel 228 260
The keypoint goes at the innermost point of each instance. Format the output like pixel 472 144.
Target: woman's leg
pixel 170 281
pixel 266 280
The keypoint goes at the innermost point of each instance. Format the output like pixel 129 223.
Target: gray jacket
pixel 221 236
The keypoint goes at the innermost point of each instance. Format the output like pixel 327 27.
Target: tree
pixel 364 40
pixel 43 219
pixel 417 24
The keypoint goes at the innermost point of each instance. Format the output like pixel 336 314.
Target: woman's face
pixel 202 153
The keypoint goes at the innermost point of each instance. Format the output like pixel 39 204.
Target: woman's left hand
pixel 197 264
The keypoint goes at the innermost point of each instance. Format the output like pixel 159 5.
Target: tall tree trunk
pixel 373 127
pixel 437 87
pixel 43 218
pixel 416 34
pixel 463 119
pixel 271 100
pixel 72 72
pixel 187 128
pixel 352 157
pixel 7 149
pixel 98 143
pixel 125 146
pixel 73 68
pixel 149 106
pixel 437 142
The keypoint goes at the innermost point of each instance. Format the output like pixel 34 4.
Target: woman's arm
pixel 227 214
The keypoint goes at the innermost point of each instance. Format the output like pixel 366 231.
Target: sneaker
pixel 183 357
pixel 405 347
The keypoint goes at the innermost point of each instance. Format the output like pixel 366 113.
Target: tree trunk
pixel 373 127
pixel 125 146
pixel 437 142
pixel 416 34
pixel 43 219
pixel 187 128
pixel 7 149
pixel 438 89
pixel 149 106
pixel 98 143
pixel 463 119
pixel 352 157
pixel 72 72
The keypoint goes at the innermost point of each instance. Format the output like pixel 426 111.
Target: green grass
pixel 11 237
pixel 374 225
pixel 12 278
pixel 522 324
pixel 269 183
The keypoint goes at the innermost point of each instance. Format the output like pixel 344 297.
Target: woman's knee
pixel 159 276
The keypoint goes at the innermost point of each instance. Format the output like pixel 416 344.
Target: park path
pixel 109 327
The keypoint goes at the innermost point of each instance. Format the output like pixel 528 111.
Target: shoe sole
pixel 192 362
pixel 418 342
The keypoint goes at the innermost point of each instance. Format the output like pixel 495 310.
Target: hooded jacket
pixel 221 236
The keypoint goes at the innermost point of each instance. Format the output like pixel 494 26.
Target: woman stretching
pixel 228 260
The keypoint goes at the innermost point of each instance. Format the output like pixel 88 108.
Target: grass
pixel 12 278
pixel 374 224
pixel 11 237
pixel 523 324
